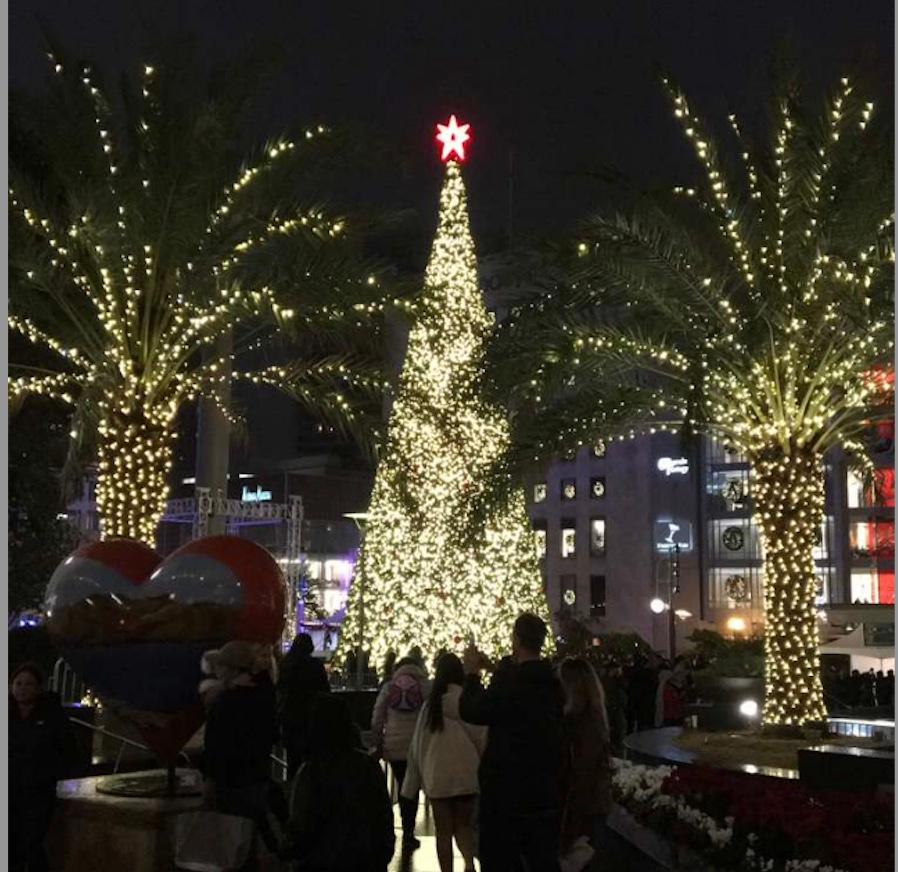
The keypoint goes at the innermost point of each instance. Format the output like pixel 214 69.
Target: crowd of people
pixel 856 689
pixel 516 769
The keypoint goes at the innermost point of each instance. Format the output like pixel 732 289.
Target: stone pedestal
pixel 93 831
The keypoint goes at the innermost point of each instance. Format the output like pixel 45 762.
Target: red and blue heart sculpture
pixel 135 627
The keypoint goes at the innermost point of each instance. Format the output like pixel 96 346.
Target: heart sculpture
pixel 135 627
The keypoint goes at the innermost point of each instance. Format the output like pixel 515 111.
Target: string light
pixel 421 579
pixel 134 342
pixel 771 337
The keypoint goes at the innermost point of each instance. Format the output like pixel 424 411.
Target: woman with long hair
pixel 443 761
pixel 589 767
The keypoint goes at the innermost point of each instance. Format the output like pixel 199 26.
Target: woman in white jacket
pixel 443 760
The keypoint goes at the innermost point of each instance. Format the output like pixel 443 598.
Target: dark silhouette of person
pixel 341 817
pixel 301 679
pixel 521 772
pixel 41 751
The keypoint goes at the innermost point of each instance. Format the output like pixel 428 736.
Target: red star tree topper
pixel 453 137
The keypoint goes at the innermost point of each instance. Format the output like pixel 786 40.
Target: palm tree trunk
pixel 135 461
pixel 789 498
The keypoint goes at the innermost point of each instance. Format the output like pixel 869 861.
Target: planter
pixel 658 850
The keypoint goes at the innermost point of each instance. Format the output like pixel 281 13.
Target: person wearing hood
pixel 443 759
pixel 392 725
pixel 521 772
pixel 240 732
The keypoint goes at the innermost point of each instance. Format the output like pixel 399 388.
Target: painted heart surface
pixel 135 627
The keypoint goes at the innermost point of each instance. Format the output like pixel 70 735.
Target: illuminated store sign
pixel 673 465
pixel 256 496
pixel 669 534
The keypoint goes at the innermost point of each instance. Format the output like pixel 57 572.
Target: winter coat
pixel 341 817
pixel 302 678
pixel 396 711
pixel 521 769
pixel 444 763
pixel 240 732
pixel 587 781
pixel 41 747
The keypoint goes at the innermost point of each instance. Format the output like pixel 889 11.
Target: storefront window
pixel 568 538
pixel 568 590
pixel 539 536
pixel 597 537
pixel 597 596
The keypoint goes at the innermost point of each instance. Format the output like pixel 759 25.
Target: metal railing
pixel 65 682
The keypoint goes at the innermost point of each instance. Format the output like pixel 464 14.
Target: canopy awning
pixel 853 644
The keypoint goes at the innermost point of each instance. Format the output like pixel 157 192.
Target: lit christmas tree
pixel 421 580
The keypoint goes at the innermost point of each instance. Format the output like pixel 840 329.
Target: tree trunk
pixel 135 462
pixel 789 498
pixel 213 436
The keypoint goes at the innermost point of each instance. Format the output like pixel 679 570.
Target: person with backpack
pixel 392 726
pixel 341 818
pixel 443 760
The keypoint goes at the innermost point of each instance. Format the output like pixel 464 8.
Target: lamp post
pixel 359 518
pixel 659 605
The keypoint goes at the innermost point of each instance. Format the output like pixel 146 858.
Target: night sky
pixel 567 87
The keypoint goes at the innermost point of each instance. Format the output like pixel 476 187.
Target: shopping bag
pixel 577 856
pixel 207 841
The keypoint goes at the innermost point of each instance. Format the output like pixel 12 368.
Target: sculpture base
pixel 121 832
pixel 150 785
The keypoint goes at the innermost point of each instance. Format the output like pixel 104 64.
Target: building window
pixel 597 537
pixel 569 489
pixel 731 490
pixel 598 450
pixel 568 538
pixel 864 494
pixel 597 596
pixel 596 488
pixel 872 539
pixel 539 536
pixel 540 491
pixel 737 587
pixel 568 591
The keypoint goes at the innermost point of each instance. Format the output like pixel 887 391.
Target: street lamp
pixel 736 625
pixel 359 518
pixel 659 605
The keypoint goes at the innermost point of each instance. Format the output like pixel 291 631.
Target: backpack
pixel 405 693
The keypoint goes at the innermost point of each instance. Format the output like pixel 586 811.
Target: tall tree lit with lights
pixel 756 305
pixel 141 236
pixel 423 579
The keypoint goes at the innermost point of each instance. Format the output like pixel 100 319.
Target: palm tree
pixel 147 255
pixel 756 305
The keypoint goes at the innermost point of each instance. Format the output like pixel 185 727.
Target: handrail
pixel 124 739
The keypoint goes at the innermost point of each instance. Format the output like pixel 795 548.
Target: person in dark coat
pixel 241 729
pixel 302 677
pixel 41 749
pixel 341 817
pixel 641 693
pixel 522 766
